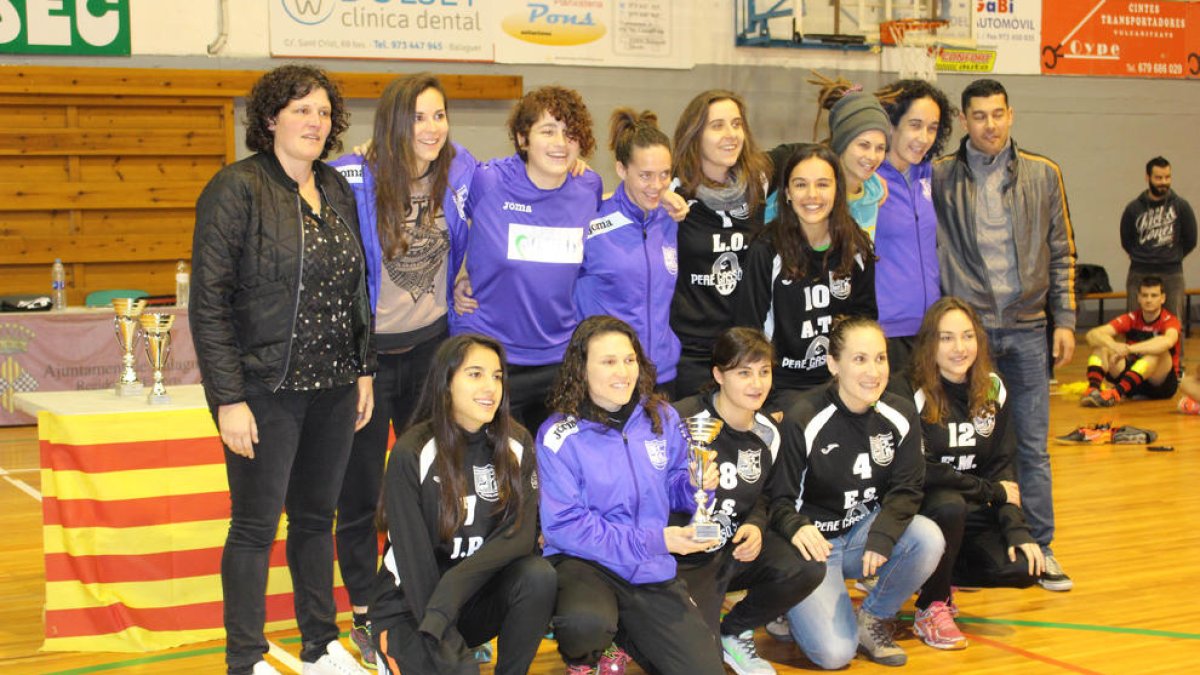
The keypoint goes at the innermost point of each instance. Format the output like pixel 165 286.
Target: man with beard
pixel 1158 230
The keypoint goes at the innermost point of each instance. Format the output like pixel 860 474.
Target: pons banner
pixel 64 27
pixel 1115 38
pixel 429 30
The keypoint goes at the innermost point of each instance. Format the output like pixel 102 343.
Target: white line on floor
pixel 21 485
pixel 285 658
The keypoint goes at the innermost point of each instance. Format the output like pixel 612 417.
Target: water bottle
pixel 58 285
pixel 182 284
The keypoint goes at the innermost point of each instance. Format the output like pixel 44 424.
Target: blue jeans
pixel 1020 356
pixel 824 625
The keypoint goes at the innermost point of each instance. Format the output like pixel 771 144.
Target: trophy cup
pixel 157 328
pixel 700 431
pixel 126 324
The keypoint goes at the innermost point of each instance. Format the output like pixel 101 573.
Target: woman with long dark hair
pixel 613 465
pixel 630 262
pixel 811 264
pixel 460 505
pixel 282 327
pixel 410 185
pixel 970 482
pixel 846 493
pixel 717 164
pixel 748 555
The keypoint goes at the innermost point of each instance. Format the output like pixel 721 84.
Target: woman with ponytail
pixel 630 262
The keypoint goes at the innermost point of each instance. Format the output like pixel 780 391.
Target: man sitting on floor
pixel 1146 364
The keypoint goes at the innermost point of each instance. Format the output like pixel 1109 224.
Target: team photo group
pixel 779 372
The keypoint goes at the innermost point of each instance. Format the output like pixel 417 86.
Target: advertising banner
pixel 625 33
pixel 1115 38
pixel 87 28
pixel 1191 66
pixel 429 30
pixel 1012 28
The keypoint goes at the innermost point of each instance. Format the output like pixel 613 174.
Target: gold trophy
pixel 157 328
pixel 126 324
pixel 699 432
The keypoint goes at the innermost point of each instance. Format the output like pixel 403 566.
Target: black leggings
pixel 657 623
pixel 516 606
pixel 976 550
pixel 528 388
pixel 777 580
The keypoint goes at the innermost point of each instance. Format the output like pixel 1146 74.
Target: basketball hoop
pixel 916 43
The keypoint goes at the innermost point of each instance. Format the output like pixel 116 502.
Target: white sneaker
pixel 336 661
pixel 742 656
pixel 779 629
pixel 264 668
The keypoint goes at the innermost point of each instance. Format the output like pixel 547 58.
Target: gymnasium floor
pixel 1128 534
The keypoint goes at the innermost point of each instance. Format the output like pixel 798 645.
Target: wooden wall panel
pixel 102 166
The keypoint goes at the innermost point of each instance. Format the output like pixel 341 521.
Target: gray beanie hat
pixel 855 113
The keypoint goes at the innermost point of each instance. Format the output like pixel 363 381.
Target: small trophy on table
pixel 700 432
pixel 126 324
pixel 157 328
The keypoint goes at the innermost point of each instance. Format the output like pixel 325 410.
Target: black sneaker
pixel 1054 578
pixel 1133 435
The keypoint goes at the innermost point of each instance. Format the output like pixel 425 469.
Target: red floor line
pixel 1030 655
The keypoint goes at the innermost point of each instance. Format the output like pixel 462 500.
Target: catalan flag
pixel 136 509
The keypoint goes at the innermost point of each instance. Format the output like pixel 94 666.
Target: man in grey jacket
pixel 1006 247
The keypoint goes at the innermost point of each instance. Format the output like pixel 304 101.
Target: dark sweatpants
pixel 656 623
pixel 777 580
pixel 516 605
pixel 976 550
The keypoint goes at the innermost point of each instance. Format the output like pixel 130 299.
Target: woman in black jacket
pixel 460 501
pixel 282 328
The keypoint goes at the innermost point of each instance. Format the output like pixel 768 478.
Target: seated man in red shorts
pixel 1146 364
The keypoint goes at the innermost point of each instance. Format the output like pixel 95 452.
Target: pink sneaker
pixel 581 670
pixel 613 661
pixel 935 625
pixel 1189 406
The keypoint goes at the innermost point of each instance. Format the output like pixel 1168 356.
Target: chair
pixel 104 298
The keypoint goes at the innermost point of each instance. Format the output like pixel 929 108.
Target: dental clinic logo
pixel 553 24
pixel 308 12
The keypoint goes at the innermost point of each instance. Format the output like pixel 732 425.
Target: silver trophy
pixel 126 325
pixel 157 328
pixel 700 432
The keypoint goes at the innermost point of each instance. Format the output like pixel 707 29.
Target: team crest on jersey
pixel 533 480
pixel 485 483
pixel 839 287
pixel 985 425
pixel 656 448
pixel 671 260
pixel 927 189
pixel 727 271
pixel 882 449
pixel 749 465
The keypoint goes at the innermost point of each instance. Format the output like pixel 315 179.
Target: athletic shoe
pixel 875 640
pixel 581 670
pixel 1054 578
pixel 866 584
pixel 336 661
pixel 935 625
pixel 1091 434
pixel 1092 399
pixel 1128 435
pixel 483 653
pixel 264 668
pixel 360 636
pixel 742 656
pixel 613 661
pixel 779 629
pixel 1189 406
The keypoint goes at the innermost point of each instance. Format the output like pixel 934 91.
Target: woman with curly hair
pixel 970 483
pixel 460 508
pixel 719 166
pixel 811 264
pixel 529 216
pixel 629 263
pixel 907 275
pixel 410 186
pixel 613 465
pixel 282 326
